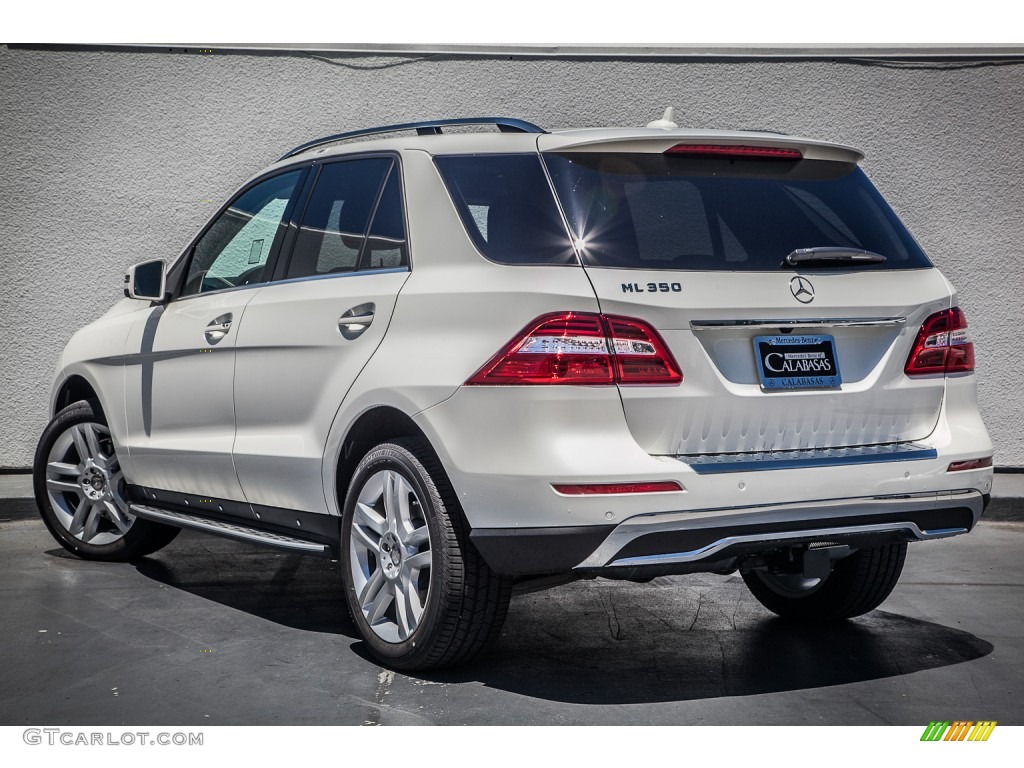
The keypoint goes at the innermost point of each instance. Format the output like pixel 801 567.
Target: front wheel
pixel 858 584
pixel 417 589
pixel 80 490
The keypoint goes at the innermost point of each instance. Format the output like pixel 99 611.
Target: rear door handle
pixel 218 328
pixel 354 322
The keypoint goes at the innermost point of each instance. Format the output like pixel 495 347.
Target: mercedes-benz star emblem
pixel 802 289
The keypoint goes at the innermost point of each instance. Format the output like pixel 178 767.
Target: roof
pixel 567 140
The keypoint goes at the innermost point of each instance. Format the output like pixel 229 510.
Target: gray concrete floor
pixel 210 631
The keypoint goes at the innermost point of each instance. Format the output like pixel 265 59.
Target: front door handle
pixel 218 328
pixel 356 320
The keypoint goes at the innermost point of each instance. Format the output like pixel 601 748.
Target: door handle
pixel 356 320
pixel 218 328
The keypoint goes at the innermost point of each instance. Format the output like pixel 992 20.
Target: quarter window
pixel 506 205
pixel 235 249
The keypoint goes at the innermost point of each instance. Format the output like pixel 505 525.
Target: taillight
pixel 582 348
pixel 942 345
pixel 734 150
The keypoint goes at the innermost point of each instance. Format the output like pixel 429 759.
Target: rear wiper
pixel 830 253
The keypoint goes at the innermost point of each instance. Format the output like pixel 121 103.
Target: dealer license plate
pixel 797 362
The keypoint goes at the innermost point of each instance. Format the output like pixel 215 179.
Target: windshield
pixel 653 211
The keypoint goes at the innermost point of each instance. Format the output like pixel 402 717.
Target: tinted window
pixel 235 249
pixel 647 211
pixel 385 247
pixel 334 226
pixel 507 207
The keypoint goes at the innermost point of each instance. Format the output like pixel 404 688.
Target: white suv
pixel 467 363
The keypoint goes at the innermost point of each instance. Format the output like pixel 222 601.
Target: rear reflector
pixel 668 486
pixel 734 150
pixel 960 466
pixel 942 345
pixel 582 348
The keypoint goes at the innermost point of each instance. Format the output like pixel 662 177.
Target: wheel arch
pixel 74 388
pixel 371 428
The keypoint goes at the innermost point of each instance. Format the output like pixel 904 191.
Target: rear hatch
pixel 692 236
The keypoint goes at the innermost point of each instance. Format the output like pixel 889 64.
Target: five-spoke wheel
pixel 389 555
pixel 417 589
pixel 85 486
pixel 80 490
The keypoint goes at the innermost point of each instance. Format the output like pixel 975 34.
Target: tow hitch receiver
pixel 817 563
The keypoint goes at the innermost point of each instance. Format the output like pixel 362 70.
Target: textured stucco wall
pixel 114 157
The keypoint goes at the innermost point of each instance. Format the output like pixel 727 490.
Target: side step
pixel 230 530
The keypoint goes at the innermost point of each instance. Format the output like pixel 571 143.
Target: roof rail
pixel 425 128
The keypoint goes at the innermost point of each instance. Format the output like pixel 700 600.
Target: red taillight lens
pixel 582 348
pixel 563 348
pixel 667 486
pixel 640 355
pixel 942 345
pixel 734 150
pixel 960 466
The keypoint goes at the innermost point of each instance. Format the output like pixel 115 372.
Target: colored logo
pixel 960 730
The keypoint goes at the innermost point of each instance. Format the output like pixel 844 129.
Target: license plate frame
pixel 792 362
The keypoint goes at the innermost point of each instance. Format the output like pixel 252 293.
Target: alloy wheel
pixel 85 485
pixel 390 555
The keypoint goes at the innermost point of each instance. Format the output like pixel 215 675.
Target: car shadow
pixel 671 642
pixel 295 591
pixel 771 657
pixel 596 642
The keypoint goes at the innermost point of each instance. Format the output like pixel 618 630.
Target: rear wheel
pixel 858 584
pixel 80 490
pixel 420 594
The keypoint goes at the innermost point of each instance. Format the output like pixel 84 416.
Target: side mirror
pixel 145 281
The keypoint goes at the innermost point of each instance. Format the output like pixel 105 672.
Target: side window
pixel 234 250
pixel 385 247
pixel 335 224
pixel 507 208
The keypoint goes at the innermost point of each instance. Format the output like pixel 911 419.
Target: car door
pixel 180 356
pixel 305 338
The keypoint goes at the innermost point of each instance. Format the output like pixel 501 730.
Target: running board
pixel 230 530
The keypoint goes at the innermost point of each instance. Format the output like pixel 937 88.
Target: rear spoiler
pixel 655 140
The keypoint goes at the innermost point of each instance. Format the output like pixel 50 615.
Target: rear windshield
pixel 652 211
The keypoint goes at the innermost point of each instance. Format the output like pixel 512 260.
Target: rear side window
pixel 506 205
pixel 651 211
pixel 333 235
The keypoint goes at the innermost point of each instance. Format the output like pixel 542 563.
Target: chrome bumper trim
pixel 719 463
pixel 801 515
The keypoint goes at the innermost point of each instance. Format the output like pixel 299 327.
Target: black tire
pixel 465 603
pixel 108 542
pixel 858 584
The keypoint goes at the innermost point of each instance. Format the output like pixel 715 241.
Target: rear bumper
pixel 712 539
pixel 504 448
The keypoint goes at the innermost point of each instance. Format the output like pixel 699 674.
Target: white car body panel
pixel 178 395
pixel 721 408
pixel 293 366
